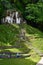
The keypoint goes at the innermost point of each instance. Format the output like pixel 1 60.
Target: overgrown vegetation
pixel 32 10
pixel 7 35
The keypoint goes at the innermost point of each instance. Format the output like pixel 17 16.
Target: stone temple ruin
pixel 12 16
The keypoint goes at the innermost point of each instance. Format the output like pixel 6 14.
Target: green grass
pixel 9 36
pixel 16 62
pixel 35 36
pixel 31 31
pixel 21 61
pixel 38 43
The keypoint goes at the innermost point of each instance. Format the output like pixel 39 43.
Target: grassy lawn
pixel 9 36
pixel 38 43
pixel 35 37
pixel 16 62
pixel 20 61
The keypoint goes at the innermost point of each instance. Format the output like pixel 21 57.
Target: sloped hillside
pixel 9 36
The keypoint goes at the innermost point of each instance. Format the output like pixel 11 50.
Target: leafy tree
pixel 34 12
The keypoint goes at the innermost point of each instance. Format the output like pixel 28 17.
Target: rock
pixel 40 62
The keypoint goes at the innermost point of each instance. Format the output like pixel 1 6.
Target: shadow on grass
pixel 8 33
pixel 17 61
pixel 9 36
pixel 21 48
pixel 34 31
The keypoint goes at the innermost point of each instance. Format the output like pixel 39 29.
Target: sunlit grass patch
pixel 14 50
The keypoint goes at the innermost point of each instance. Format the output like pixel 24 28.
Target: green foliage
pixel 30 9
pixel 35 12
pixel 4 4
